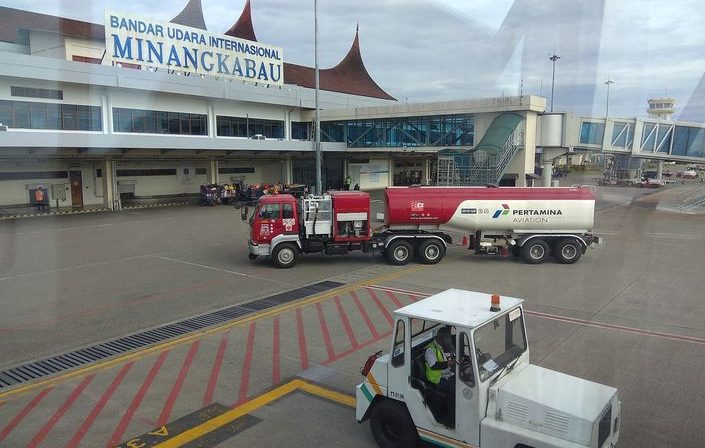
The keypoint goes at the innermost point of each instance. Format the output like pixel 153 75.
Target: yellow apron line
pixel 189 338
pixel 252 405
pixel 338 397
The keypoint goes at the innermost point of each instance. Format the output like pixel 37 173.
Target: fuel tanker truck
pixel 531 223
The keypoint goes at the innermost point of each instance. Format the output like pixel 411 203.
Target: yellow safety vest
pixel 434 376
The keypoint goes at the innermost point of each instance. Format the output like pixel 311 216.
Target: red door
pixel 76 189
pixel 272 219
pixel 267 223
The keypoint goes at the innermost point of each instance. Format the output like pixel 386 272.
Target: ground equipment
pixel 498 398
pixel 528 222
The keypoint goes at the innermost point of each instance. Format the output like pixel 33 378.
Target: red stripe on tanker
pixel 474 208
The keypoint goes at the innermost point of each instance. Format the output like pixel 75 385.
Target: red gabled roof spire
pixel 192 15
pixel 243 28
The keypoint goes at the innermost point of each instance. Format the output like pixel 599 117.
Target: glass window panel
pixel 174 127
pixel 21 115
pixel 84 118
pixel 592 133
pixel 6 113
pixel 38 115
pixel 96 118
pixel 53 116
pixel 68 116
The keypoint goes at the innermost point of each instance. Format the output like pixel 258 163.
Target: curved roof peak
pixel 353 60
pixel 243 28
pixel 191 15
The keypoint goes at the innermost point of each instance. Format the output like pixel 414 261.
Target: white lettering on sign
pixel 416 206
pixel 289 224
pixel 136 40
pixel 264 229
pixel 514 314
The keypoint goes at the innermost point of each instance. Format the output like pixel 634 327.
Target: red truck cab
pixel 273 216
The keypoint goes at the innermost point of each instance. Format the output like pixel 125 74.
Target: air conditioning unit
pixel 258 137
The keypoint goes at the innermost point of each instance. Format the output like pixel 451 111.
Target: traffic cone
pixel 465 241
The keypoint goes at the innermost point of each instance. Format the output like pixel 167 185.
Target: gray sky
pixel 430 50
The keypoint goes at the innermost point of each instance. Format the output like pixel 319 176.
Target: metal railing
pixel 478 167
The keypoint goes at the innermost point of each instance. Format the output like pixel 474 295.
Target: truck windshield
pixel 499 342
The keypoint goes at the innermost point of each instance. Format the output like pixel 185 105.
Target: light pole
pixel 554 57
pixel 607 114
pixel 607 108
pixel 319 183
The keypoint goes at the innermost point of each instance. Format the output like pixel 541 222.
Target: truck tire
pixel 568 251
pixel 431 251
pixel 535 251
pixel 392 426
pixel 285 255
pixel 399 252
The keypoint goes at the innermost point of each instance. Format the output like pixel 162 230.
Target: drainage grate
pixel 38 369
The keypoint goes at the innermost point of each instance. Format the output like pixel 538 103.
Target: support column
pixel 108 192
pixel 288 168
pixel 659 170
pixel 212 171
pixel 111 192
pixel 547 172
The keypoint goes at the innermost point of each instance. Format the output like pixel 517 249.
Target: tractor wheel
pixel 392 426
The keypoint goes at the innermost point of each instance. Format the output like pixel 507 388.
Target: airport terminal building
pixel 92 128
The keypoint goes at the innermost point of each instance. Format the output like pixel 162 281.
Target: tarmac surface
pixel 629 314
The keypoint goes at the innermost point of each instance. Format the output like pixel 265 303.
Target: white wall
pixel 375 175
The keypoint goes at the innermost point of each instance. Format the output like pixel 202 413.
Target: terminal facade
pixel 93 131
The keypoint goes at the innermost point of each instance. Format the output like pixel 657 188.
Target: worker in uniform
pixel 39 198
pixel 440 361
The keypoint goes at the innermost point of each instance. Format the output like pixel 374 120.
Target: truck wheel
pixel 392 426
pixel 285 255
pixel 568 251
pixel 431 251
pixel 399 252
pixel 535 251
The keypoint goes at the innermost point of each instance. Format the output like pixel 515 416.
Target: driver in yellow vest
pixel 439 361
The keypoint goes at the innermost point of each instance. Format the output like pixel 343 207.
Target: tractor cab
pixel 489 395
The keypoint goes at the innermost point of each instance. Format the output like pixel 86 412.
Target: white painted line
pixel 216 269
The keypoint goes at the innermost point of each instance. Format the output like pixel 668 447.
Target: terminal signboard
pixel 136 40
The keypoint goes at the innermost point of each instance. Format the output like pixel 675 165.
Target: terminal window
pixel 31 92
pixel 34 115
pixel 248 127
pixel 159 122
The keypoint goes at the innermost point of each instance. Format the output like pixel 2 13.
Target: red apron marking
pixel 122 426
pixel 76 439
pixel 365 316
pixel 176 388
pixel 394 298
pixel 246 366
pixel 215 372
pixel 276 376
pixel 346 323
pixel 302 340
pixel 60 412
pixel 381 307
pixel 353 350
pixel 324 331
pixel 23 413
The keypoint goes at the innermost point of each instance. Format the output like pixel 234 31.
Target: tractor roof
pixel 457 307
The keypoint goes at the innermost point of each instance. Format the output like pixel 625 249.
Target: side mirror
pixel 243 213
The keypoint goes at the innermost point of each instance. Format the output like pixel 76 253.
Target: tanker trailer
pixel 532 223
